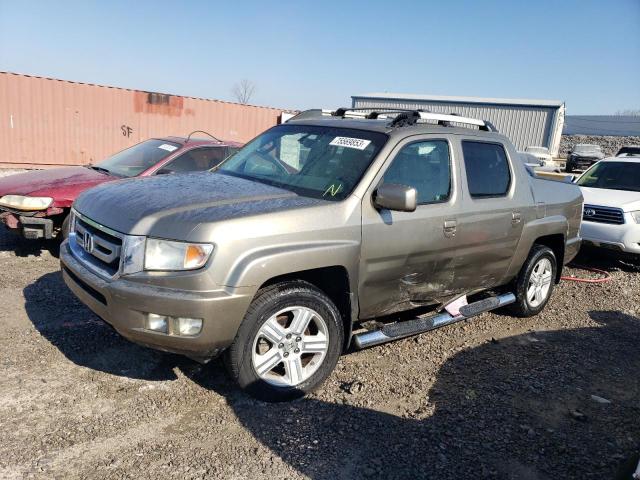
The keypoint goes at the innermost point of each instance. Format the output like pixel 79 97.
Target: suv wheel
pixel 535 282
pixel 288 343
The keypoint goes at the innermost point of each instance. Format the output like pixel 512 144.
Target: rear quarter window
pixel 487 168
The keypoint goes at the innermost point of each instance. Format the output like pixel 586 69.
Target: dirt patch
pixel 495 397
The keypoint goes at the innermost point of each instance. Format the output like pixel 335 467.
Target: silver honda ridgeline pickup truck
pixel 281 255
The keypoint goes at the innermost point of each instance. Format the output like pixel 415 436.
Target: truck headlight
pixel 170 255
pixel 133 254
pixel 72 221
pixel 21 202
pixel 636 216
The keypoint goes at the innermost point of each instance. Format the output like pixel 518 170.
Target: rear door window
pixel 487 168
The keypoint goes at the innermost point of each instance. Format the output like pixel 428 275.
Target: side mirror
pixel 393 196
pixel 164 171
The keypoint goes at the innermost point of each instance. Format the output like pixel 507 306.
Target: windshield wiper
pixel 100 169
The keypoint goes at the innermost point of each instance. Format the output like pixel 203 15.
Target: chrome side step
pixel 408 328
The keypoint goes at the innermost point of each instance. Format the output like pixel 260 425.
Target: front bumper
pixel 123 303
pixel 622 238
pixel 30 227
pixel 582 163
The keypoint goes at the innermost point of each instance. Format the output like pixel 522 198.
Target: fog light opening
pixel 188 326
pixel 179 326
pixel 157 323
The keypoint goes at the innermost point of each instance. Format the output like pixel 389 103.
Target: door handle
pixel 450 227
pixel 516 218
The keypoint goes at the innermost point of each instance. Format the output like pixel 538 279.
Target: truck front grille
pixel 98 247
pixel 596 213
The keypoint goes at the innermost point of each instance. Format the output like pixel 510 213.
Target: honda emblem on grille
pixel 589 212
pixel 87 242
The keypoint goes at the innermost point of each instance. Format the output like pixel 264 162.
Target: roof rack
pixel 405 117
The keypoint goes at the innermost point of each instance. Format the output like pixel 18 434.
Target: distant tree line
pixel 629 113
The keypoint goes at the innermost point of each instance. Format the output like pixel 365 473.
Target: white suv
pixel 541 153
pixel 611 216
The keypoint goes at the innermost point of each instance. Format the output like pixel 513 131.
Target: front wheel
pixel 288 343
pixel 534 284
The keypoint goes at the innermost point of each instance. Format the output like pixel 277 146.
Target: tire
pixel 568 167
pixel 632 259
pixel 526 304
pixel 64 229
pixel 271 341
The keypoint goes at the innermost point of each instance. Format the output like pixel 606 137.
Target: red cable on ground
pixel 607 276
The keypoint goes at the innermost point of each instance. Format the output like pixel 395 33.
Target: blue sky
pixel 318 53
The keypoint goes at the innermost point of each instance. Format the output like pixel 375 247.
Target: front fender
pixel 257 266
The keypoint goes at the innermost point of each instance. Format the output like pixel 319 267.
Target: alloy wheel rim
pixel 539 282
pixel 290 346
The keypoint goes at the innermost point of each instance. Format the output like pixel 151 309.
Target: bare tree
pixel 243 91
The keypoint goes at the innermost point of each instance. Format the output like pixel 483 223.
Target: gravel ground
pixel 610 144
pixel 556 396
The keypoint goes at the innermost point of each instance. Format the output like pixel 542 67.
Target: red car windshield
pixel 135 160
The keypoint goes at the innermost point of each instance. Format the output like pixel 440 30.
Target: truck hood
pixel 173 206
pixel 627 201
pixel 53 182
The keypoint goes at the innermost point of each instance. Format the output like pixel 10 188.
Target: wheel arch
pixel 550 231
pixel 334 281
pixel 556 242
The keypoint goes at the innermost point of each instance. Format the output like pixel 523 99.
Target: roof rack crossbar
pixel 447 118
pixel 404 117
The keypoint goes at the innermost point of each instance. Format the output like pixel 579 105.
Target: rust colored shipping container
pixel 47 122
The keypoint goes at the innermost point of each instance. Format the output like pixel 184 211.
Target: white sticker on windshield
pixel 348 142
pixel 167 147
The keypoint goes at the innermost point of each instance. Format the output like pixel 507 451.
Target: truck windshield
pixel 313 161
pixel 135 160
pixel 612 175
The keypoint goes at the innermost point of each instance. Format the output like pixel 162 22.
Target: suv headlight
pixel 170 255
pixel 636 216
pixel 20 202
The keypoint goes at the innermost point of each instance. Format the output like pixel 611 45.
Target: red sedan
pixel 37 203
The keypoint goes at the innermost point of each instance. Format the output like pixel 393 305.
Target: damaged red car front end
pixel 36 204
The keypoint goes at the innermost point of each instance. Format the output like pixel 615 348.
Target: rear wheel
pixel 288 343
pixel 535 282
